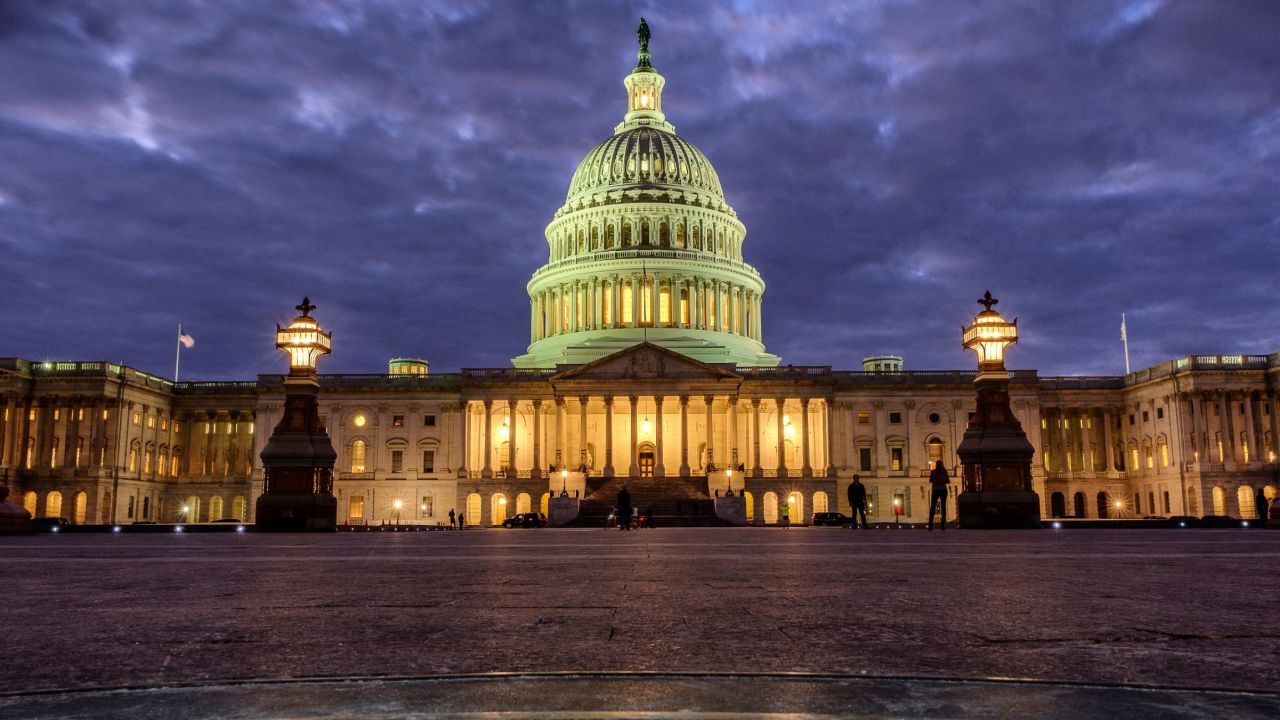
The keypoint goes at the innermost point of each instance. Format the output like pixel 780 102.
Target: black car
pixel 49 524
pixel 525 520
pixel 831 519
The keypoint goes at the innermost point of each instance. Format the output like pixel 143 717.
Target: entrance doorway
pixel 646 460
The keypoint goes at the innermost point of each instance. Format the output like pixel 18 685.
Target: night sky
pixel 211 162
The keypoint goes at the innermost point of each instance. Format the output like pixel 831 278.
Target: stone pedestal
pixel 297 466
pixel 996 458
pixel 732 509
pixel 562 511
pixel 14 519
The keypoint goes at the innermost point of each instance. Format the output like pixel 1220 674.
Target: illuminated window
pixel 57 414
pixel 664 306
pixel 626 315
pixel 53 454
pixel 356 507
pixel 105 413
pixel 357 456
pixel 137 418
pixel 133 460
pixel 864 417
pixel 151 421
pixel 31 415
pixel 360 421
pixel 895 458
pixel 1150 461
pixel 1133 452
pixel 79 447
pixel 146 462
pixel 397 421
pixel 935 450
pixel 428 506
pixel 30 453
pixel 79 414
pixel 1244 447
pixel 208 428
pixel 82 508
pixel 1164 455
pixel 53 504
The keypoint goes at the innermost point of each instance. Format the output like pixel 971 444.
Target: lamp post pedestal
pixel 996 459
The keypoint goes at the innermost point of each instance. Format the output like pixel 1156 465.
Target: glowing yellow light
pixel 360 421
pixel 644 100
pixel 186 509
pixel 1119 504
pixel 502 501
pixel 789 432
pixel 564 474
pixel 504 432
pixel 786 419
pixel 645 427
pixel 398 504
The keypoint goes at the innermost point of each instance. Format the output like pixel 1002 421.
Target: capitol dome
pixel 645 249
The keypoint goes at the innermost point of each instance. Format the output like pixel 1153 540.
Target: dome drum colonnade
pixel 645 248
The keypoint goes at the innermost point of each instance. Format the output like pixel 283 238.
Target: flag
pixel 1124 334
pixel 186 340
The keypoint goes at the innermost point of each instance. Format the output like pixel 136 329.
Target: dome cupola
pixel 645 248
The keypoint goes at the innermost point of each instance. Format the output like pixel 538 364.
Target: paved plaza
pixel 1172 609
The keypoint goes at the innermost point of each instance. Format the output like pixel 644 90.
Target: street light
pixel 303 340
pixel 729 477
pixel 897 510
pixel 397 505
pixel 564 483
pixel 989 335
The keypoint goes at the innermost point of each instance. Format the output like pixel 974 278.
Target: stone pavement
pixel 1166 608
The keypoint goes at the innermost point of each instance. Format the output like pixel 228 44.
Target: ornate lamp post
pixel 995 453
pixel 297 462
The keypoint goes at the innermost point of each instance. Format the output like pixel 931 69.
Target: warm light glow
pixel 788 432
pixel 988 336
pixel 502 501
pixel 645 427
pixel 791 499
pixel 186 509
pixel 303 340
pixel 398 504
pixel 1119 504
pixel 360 421
pixel 504 432
pixel 564 474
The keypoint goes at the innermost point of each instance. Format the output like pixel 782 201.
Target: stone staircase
pixel 674 501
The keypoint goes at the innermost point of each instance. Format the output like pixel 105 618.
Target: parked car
pixel 1219 521
pixel 1184 521
pixel 832 519
pixel 525 520
pixel 49 524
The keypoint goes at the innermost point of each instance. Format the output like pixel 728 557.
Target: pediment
pixel 646 361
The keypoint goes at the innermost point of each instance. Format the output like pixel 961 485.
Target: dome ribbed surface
pixel 645 156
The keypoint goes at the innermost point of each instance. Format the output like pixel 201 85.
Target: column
pixel 757 470
pixel 829 422
pixel 487 472
pixel 695 303
pixel 709 399
pixel 719 313
pixel 659 469
pixel 1225 426
pixel 635 319
pixel 574 306
pixel 732 410
pixel 582 432
pixel 654 316
pixel 608 436
pixel 1250 437
pixel 635 445
pixel 536 472
pixel 1108 462
pixel 684 436
pixel 560 434
pixel 512 470
pixel 6 438
pixel 782 440
pixel 1063 440
pixel 804 429
pixel 466 441
pixel 1275 437
pixel 597 304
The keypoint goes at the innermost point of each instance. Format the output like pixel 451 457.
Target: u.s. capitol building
pixel 646 367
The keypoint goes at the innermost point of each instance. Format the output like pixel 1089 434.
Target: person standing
pixel 462 521
pixel 858 501
pixel 785 510
pixel 624 509
pixel 453 520
pixel 940 481
pixel 1260 504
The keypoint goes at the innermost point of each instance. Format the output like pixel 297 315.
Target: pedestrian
pixel 462 521
pixel 453 520
pixel 624 509
pixel 939 479
pixel 858 501
pixel 785 510
pixel 1260 504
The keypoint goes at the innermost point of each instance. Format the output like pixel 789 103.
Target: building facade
pixel 646 363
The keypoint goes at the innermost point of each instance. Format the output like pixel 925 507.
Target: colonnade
pixel 645 300
pixel 1229 426
pixel 613 233
pixel 742 433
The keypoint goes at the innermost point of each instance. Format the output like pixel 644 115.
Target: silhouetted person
pixel 453 519
pixel 624 509
pixel 462 521
pixel 939 479
pixel 858 501
pixel 1260 504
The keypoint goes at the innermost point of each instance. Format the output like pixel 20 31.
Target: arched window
pixel 644 231
pixel 523 503
pixel 29 500
pixel 595 238
pixel 697 237
pixel 1079 505
pixel 751 507
pixel 680 234
pixel 1244 498
pixel 626 233
pixel 544 503
pixel 53 504
pixel 1104 505
pixel 609 236
pixel 498 508
pixel 191 511
pixel 1057 505
pixel 796 501
pixel 237 507
pixel 770 508
pixel 82 508
pixel 664 306
pixel 146 507
pixel 664 234
pixel 1219 501
pixel 358 451
pixel 215 508
pixel 820 502
pixel 935 450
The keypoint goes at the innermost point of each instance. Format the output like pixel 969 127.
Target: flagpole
pixel 177 355
pixel 1124 335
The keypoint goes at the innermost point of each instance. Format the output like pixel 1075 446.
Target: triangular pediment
pixel 646 361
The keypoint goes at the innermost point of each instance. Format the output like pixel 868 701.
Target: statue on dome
pixel 642 34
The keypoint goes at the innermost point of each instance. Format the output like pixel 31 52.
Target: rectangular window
pixel 428 420
pixel 105 413
pixel 177 426
pixel 1145 416
pixel 1166 502
pixel 80 414
pixel 895 458
pixel 1044 424
pixel 1160 413
pixel 1137 504
pixel 129 512
pixel 31 415
pixel 428 506
pixel 57 414
pixel 1150 462
pixel 151 421
pixel 864 417
pixel 1164 456
pixel 895 418
pixel 164 424
pixel 397 460
pixel 397 421
pixel 137 419
pixel 1131 420
pixel 428 461
pixel 356 511
pixel 864 459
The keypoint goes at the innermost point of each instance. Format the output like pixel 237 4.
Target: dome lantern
pixel 644 90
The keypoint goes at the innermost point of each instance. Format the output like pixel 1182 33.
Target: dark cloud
pixel 209 163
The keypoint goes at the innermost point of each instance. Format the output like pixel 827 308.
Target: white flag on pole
pixel 1124 334
pixel 186 340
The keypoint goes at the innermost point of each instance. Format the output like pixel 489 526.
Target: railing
pixel 788 370
pixel 1201 362
pixel 1083 382
pixel 215 387
pixel 372 380
pixel 645 252
pixel 509 373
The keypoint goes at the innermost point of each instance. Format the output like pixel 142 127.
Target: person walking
pixel 858 501
pixel 1260 504
pixel 785 511
pixel 624 509
pixel 939 479
pixel 453 520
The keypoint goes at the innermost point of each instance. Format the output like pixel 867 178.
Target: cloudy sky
pixel 397 160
